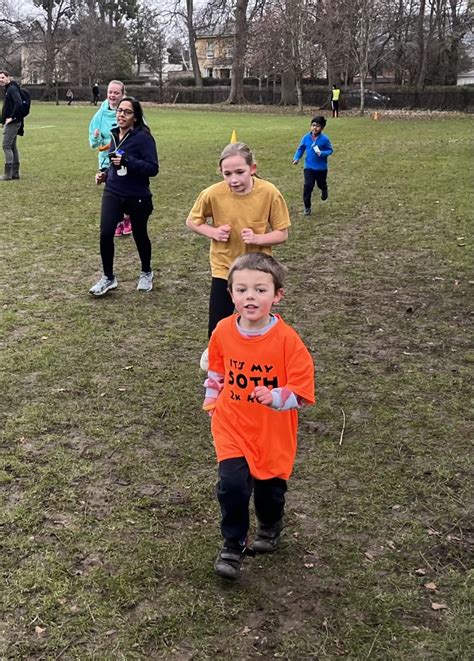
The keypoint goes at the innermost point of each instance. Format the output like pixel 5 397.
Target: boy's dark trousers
pixel 234 489
pixel 312 177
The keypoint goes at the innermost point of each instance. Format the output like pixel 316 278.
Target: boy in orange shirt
pixel 260 374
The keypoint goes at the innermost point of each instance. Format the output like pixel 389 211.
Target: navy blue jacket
pixel 12 104
pixel 140 159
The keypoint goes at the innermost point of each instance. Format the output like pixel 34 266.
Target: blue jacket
pixel 105 120
pixel 140 159
pixel 312 160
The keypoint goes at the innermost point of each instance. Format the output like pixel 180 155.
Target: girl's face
pixel 114 94
pixel 238 174
pixel 253 293
pixel 125 115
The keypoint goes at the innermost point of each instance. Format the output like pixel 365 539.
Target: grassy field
pixel 109 522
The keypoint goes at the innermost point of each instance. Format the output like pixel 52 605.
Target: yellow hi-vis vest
pixel 336 94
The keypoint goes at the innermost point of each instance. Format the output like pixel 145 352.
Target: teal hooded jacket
pixel 105 120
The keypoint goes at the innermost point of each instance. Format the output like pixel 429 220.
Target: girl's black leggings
pixel 113 208
pixel 220 303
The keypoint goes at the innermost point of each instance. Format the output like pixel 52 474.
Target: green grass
pixel 110 525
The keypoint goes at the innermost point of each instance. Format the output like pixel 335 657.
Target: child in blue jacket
pixel 318 147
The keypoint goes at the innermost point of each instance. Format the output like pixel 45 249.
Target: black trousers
pixel 312 177
pixel 220 303
pixel 234 490
pixel 112 211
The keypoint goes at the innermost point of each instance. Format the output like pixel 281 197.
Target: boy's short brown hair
pixel 258 261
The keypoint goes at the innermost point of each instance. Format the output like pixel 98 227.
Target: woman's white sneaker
pixel 145 281
pixel 103 286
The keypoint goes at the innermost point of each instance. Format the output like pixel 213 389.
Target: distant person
pixel 335 95
pixel 13 126
pixel 69 96
pixel 95 93
pixel 100 127
pixel 260 374
pixel 134 160
pixel 317 147
pixel 241 214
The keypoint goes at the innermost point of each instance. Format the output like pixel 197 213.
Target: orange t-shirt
pixel 243 427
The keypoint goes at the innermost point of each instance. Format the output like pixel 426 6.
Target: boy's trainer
pixel 268 537
pixel 324 194
pixel 103 286
pixel 229 560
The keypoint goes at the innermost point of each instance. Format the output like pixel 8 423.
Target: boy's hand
pixel 262 395
pixel 209 405
pixel 222 233
pixel 100 177
pixel 317 150
pixel 295 162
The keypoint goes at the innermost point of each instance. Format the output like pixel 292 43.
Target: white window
pixel 210 49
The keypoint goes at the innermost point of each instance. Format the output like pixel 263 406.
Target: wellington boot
pixel 16 171
pixel 8 172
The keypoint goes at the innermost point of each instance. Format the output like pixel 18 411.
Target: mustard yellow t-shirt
pixel 263 210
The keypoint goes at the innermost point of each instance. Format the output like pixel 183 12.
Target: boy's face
pixel 253 293
pixel 316 128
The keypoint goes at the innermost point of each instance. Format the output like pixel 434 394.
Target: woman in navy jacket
pixel 133 160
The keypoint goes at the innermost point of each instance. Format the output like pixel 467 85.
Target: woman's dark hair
pixel 137 111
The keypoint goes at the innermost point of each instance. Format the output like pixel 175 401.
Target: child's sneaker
pixel 307 211
pixel 324 194
pixel 268 537
pixel 229 561
pixel 127 226
pixel 119 229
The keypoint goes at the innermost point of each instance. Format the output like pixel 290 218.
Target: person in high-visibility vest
pixel 335 94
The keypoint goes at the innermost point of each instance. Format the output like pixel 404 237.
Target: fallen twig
pixel 343 425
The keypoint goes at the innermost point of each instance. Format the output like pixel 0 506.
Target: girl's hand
pixel 209 405
pixel 262 395
pixel 100 177
pixel 248 236
pixel 222 233
pixel 96 133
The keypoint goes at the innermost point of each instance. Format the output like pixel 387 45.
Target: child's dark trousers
pixel 312 177
pixel 234 490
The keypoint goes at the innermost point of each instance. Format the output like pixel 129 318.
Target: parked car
pixel 372 99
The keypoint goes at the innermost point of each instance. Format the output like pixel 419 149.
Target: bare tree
pixel 182 11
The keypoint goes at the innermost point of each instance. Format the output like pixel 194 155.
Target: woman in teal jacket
pixel 104 120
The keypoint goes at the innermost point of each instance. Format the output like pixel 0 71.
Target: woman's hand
pixel 116 159
pixel 221 233
pixel 100 177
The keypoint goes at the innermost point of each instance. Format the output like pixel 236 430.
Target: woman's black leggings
pixel 113 208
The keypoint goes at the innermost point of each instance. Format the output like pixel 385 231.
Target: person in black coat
pixel 12 121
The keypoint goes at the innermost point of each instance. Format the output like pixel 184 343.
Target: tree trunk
pixel 236 94
pixel 192 43
pixel 288 88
